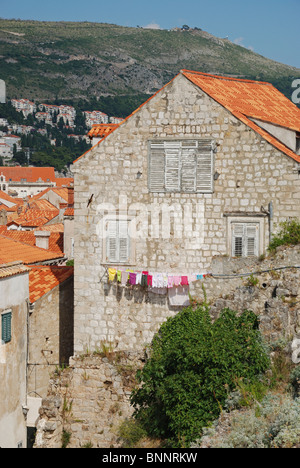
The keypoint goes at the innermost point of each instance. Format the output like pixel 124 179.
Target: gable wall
pixel 252 174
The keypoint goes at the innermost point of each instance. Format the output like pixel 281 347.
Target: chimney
pixel 42 239
pixel 70 196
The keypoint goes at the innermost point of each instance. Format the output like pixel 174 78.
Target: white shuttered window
pixel 245 240
pixel 181 166
pixel 117 241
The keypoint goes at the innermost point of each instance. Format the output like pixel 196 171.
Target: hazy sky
pixel 269 27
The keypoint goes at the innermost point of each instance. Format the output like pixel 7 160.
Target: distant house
pixel 27 181
pixel 206 167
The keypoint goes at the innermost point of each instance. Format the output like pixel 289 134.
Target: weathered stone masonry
pixel 252 174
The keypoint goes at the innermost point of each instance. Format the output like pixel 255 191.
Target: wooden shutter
pixel 188 170
pixel 237 240
pixel 6 327
pixel 123 243
pixel 245 240
pixel 204 167
pixel 117 241
pixel 172 166
pixel 111 241
pixel 156 168
pixel 252 240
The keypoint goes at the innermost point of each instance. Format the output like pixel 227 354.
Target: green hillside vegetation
pixel 68 60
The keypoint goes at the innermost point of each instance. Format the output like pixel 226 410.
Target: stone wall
pixel 87 403
pixel 252 174
pixel 50 336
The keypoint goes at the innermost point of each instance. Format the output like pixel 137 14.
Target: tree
pixel 194 364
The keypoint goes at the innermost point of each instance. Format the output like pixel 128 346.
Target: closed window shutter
pixel 6 327
pixel 157 167
pixel 123 241
pixel 172 166
pixel 181 166
pixel 205 167
pixel 245 240
pixel 188 170
pixel 111 241
pixel 251 240
pixel 117 241
pixel 237 240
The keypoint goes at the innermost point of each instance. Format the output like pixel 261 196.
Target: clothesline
pixel 152 279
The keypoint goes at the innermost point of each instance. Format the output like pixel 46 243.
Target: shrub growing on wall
pixel 194 364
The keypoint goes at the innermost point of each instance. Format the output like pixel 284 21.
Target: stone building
pixel 207 167
pixel 14 292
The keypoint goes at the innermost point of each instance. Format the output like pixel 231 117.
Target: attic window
pixel 184 166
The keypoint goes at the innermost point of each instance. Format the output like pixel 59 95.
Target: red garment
pixel 184 281
pixel 149 280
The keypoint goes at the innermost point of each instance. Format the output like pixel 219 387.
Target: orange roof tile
pixel 64 181
pixel 12 269
pixel 69 212
pixel 31 174
pixel 56 239
pixel 12 250
pixel 102 130
pixel 35 218
pixel 43 279
pixel 247 99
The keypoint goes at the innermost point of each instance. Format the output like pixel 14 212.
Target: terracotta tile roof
pixel 64 181
pixel 12 250
pixel 35 218
pixel 102 130
pixel 31 174
pixel 12 269
pixel 59 227
pixel 56 239
pixel 43 205
pixel 247 99
pixel 43 279
pixel 69 212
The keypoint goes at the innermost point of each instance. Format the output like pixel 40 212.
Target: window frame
pixel 131 242
pixel 257 219
pixel 183 145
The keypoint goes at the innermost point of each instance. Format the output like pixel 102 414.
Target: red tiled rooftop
pixel 12 250
pixel 31 174
pixel 42 279
pixel 56 239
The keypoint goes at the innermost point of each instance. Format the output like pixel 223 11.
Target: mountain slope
pixel 44 60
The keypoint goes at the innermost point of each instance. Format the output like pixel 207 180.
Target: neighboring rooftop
pixel 12 250
pixel 31 174
pixel 12 269
pixel 43 279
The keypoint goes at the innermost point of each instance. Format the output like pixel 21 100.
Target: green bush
pixel 289 234
pixel 194 364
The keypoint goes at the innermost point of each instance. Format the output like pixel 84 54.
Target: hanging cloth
pixel 124 278
pixel 132 278
pixel 184 281
pixel 111 274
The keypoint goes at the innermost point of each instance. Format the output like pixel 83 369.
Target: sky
pixel 268 27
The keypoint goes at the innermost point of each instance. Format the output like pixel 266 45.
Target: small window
pixel 245 239
pixel 6 327
pixel 298 143
pixel 117 241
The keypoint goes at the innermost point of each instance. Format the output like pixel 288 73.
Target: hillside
pixel 65 60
